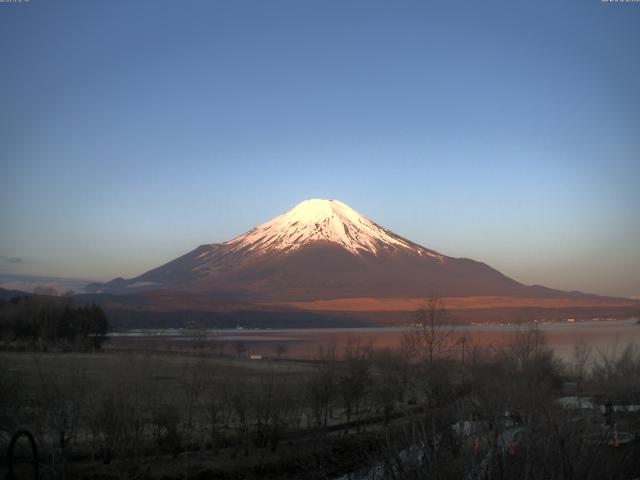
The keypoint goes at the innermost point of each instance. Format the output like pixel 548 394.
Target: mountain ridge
pixel 319 250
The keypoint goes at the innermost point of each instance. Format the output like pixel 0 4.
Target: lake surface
pixel 606 336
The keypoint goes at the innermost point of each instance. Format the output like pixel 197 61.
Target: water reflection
pixel 605 336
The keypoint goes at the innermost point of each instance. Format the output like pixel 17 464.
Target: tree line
pixel 41 322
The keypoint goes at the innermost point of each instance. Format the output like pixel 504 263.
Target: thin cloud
pixel 12 259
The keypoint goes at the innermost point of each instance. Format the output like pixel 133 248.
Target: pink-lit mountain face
pixel 322 249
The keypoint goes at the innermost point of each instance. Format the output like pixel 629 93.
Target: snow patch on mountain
pixel 323 220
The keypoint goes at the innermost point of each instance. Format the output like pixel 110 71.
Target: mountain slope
pixel 323 249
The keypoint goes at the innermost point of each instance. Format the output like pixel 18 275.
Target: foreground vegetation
pixel 436 408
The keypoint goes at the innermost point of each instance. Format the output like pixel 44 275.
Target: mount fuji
pixel 321 250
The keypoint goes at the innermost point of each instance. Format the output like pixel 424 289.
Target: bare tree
pixel 60 406
pixel 217 409
pixel 581 359
pixel 272 406
pixel 193 386
pixel 165 428
pixel 239 403
pixel 240 348
pixel 433 335
pixel 354 379
pixel 280 350
pixel 388 382
pixel 218 343
pixel 322 385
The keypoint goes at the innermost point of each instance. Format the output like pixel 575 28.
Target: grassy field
pixel 99 398
pixel 153 370
pixel 151 412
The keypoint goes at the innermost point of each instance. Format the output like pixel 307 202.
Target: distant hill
pixel 27 283
pixel 9 294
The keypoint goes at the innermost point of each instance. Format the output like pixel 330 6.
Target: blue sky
pixel 508 132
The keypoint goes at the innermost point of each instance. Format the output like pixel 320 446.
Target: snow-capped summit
pixel 323 220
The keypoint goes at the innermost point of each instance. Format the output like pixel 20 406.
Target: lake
pixel 606 336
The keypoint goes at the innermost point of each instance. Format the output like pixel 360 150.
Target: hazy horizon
pixel 503 132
